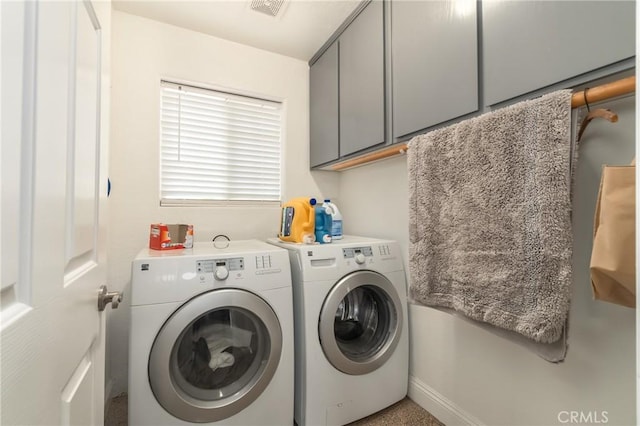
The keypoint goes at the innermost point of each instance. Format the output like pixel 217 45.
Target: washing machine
pixel 211 338
pixel 350 310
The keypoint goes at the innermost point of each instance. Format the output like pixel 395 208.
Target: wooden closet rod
pixel 594 94
pixel 605 91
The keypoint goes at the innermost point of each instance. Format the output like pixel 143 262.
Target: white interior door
pixel 53 166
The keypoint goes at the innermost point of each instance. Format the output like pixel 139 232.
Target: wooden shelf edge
pixel 369 157
pixel 594 94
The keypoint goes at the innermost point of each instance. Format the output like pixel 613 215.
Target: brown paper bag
pixel 613 269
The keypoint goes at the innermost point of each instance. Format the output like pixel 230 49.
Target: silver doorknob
pixel 105 297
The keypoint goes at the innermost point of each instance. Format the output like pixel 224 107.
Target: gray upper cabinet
pixel 323 106
pixel 361 71
pixel 528 45
pixel 434 62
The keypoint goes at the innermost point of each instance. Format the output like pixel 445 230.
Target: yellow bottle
pixel 298 221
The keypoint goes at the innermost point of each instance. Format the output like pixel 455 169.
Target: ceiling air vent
pixel 269 7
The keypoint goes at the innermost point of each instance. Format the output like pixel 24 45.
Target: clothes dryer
pixel 350 309
pixel 211 336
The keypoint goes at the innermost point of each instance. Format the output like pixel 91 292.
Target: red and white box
pixel 164 236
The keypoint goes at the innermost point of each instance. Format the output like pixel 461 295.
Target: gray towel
pixel 489 221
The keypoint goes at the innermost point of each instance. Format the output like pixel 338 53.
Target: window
pixel 218 146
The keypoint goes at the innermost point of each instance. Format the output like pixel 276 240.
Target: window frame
pixel 234 93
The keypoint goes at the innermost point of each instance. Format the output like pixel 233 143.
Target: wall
pixel 143 52
pixel 463 374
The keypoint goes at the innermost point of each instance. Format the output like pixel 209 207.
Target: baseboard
pixel 442 408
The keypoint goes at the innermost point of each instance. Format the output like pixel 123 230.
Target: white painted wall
pixel 462 373
pixel 143 52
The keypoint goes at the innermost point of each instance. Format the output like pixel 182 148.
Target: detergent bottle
pixel 323 224
pixel 297 223
pixel 336 218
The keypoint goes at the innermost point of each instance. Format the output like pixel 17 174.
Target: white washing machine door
pixel 215 355
pixel 360 322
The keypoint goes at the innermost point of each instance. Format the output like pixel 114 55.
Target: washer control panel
pixel 359 254
pixel 351 252
pixel 384 250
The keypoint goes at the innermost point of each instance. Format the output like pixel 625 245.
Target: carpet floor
pixel 403 413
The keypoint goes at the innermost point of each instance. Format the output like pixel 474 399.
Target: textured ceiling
pixel 299 30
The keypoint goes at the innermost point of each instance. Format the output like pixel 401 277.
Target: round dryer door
pixel 215 355
pixel 360 322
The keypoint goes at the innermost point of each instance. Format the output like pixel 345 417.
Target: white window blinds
pixel 217 146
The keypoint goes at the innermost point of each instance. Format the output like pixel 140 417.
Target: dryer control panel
pixel 178 275
pixel 235 268
pixel 209 266
pixel 220 267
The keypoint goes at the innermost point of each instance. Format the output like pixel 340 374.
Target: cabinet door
pixel 323 106
pixel 362 81
pixel 434 53
pixel 528 45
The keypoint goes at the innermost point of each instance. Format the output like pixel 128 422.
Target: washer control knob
pixel 360 259
pixel 221 273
